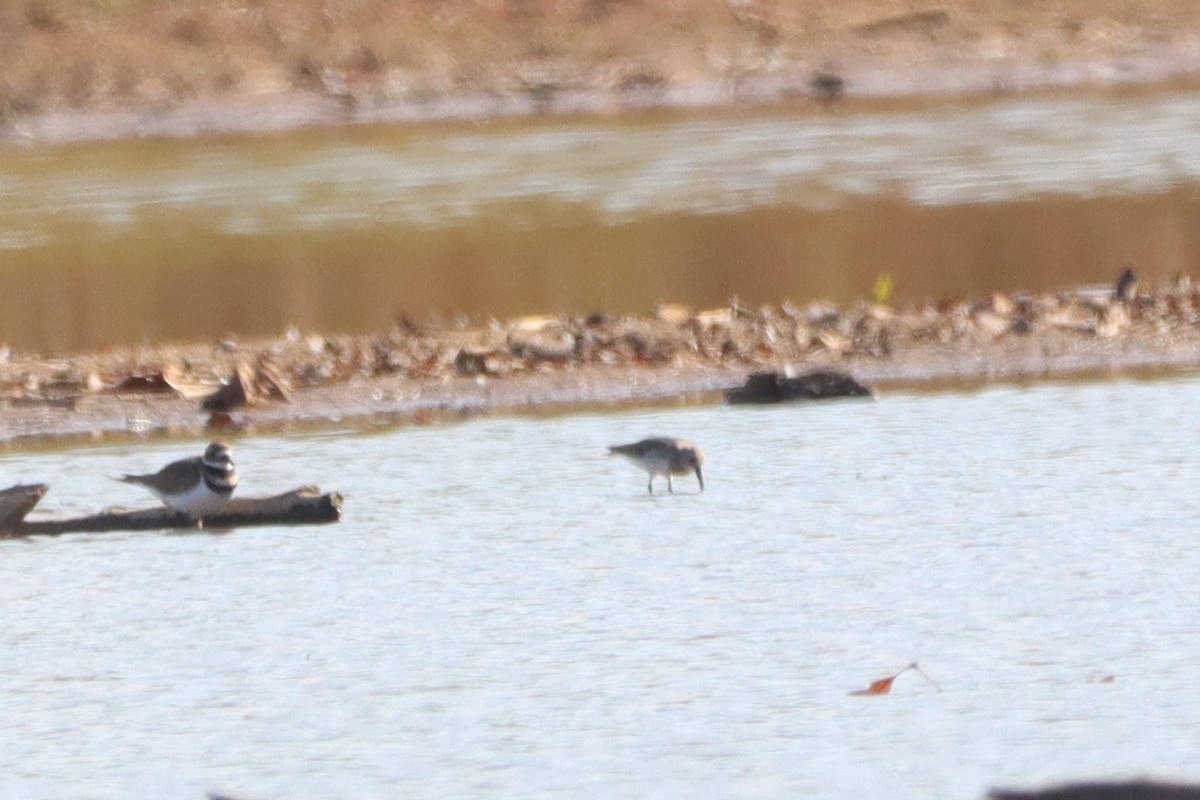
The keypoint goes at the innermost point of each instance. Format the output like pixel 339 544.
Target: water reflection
pixel 342 230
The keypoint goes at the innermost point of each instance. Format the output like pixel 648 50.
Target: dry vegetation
pixel 734 339
pixel 422 374
pixel 94 55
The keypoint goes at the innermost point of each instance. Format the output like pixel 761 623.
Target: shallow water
pixel 346 229
pixel 505 613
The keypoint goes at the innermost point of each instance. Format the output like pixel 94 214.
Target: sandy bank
pixel 170 67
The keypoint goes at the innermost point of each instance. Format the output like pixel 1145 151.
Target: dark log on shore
pixel 774 387
pixel 17 501
pixel 304 506
pixel 1133 790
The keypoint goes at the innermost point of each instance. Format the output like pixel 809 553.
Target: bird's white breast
pixel 197 500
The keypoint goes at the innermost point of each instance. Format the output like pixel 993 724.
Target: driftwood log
pixel 775 387
pixel 304 506
pixel 17 501
pixel 1133 790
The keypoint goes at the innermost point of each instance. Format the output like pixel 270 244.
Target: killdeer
pixel 195 486
pixel 662 455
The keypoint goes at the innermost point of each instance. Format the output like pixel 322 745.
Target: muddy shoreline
pixel 414 375
pixel 172 68
pixel 865 86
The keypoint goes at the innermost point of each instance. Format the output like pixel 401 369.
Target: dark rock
pixel 773 387
pixel 474 361
pixel 249 385
pixel 234 393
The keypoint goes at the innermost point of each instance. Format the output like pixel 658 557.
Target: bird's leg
pixel 670 488
pixel 650 484
pixel 191 521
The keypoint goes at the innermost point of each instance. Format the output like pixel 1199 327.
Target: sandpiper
pixel 195 486
pixel 663 455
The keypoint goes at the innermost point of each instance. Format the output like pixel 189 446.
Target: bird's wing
pixel 175 472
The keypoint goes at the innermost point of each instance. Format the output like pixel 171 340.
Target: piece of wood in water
pixel 17 501
pixel 304 506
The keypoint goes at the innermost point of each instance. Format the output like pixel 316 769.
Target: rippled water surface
pixel 505 613
pixel 621 168
pixel 346 229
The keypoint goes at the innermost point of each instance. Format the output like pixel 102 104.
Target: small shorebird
pixel 827 86
pixel 1126 288
pixel 195 486
pixel 663 455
